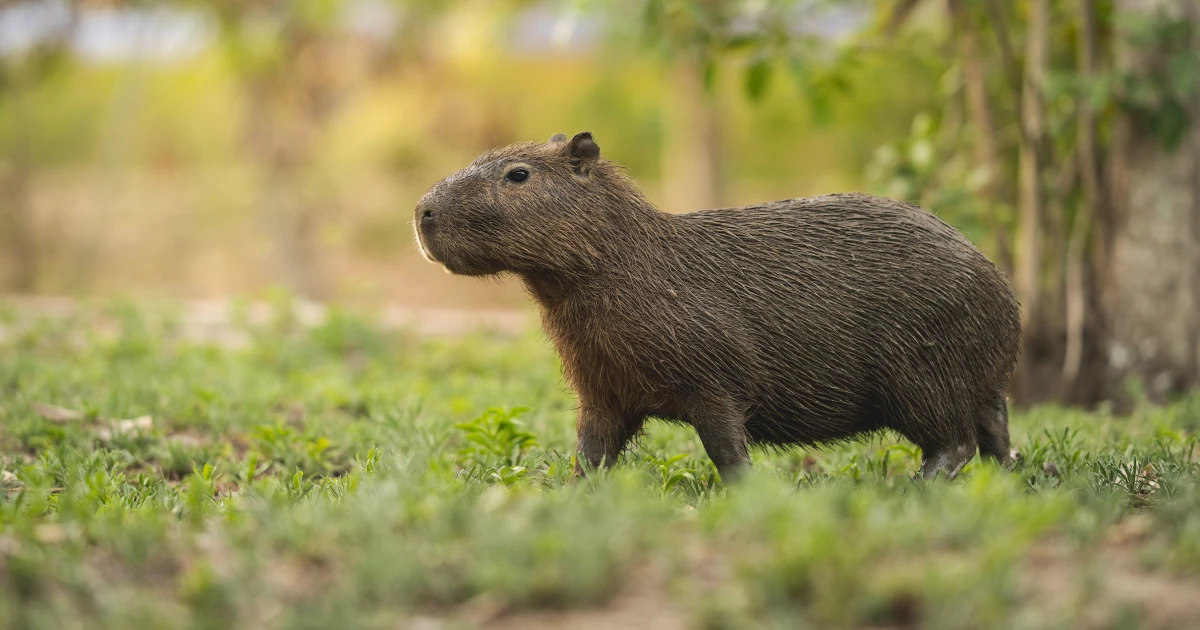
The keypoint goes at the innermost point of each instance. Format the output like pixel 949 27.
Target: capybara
pixel 800 321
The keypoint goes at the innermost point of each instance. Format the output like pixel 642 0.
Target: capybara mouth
pixel 424 249
pixel 465 268
pixel 437 253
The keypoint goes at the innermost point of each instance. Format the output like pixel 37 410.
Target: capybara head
pixel 514 208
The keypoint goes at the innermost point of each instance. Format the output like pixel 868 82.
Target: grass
pixel 349 476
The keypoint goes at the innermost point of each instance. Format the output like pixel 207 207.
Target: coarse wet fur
pixel 800 321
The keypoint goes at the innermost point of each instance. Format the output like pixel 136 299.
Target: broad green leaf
pixel 1184 70
pixel 758 78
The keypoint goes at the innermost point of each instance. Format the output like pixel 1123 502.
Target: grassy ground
pixel 347 476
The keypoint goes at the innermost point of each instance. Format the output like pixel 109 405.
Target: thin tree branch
pixel 1008 57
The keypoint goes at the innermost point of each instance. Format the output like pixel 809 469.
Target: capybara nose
pixel 425 212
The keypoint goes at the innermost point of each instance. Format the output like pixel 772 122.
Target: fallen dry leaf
pixel 54 413
pixel 50 533
pixel 187 439
pixel 294 413
pixel 484 609
pixel 9 478
pixel 1130 530
pixel 119 427
pixel 9 545
pixel 1148 479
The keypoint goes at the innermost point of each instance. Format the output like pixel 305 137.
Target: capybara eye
pixel 518 175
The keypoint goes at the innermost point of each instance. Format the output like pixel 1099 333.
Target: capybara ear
pixel 583 152
pixel 558 137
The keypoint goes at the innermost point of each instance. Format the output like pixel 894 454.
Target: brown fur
pixel 793 322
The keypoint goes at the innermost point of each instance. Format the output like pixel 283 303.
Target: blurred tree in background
pixel 289 146
pixel 1100 97
pixel 297 66
pixel 1087 107
pixel 1148 266
pixel 22 72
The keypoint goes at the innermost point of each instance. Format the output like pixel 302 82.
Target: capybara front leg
pixel 993 431
pixel 722 431
pixel 601 438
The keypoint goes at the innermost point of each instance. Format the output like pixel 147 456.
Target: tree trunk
pixel 15 225
pixel 979 110
pixel 1082 381
pixel 290 220
pixel 1031 197
pixel 1152 291
pixel 15 211
pixel 289 107
pixel 20 73
pixel 691 156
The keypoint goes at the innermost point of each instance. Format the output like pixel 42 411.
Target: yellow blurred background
pixel 206 150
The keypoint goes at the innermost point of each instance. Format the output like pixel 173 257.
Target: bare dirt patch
pixel 216 321
pixel 643 601
pixel 1101 584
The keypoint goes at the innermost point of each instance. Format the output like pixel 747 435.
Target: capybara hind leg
pixel 727 450
pixel 947 460
pixel 993 431
pixel 601 438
